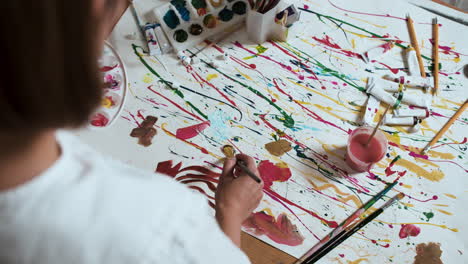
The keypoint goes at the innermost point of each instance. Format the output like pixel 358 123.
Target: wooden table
pixel 258 251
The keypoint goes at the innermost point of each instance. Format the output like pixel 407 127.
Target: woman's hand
pixel 237 196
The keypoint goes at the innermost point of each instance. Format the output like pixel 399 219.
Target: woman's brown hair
pixel 48 55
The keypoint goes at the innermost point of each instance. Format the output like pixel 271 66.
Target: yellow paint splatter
pixel 148 78
pixel 408 204
pixel 420 223
pixel 244 75
pixel 357 261
pixel 444 212
pixel 434 175
pixel 211 76
pixel 450 195
pixel 347 197
pixel 441 205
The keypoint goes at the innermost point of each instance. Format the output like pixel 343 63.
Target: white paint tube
pixel 413 82
pixel 417 112
pixel 412 62
pixel 164 44
pixel 380 94
pixel 372 107
pixel 416 100
pixel 416 128
pixel 152 40
pixel 388 86
pixel 419 82
pixel 400 121
pixel 184 58
pixel 377 52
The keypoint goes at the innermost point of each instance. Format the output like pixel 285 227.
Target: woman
pixel 60 201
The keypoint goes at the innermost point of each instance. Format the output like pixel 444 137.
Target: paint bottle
pixel 361 157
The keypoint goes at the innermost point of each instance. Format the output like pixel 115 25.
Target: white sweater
pixel 89 209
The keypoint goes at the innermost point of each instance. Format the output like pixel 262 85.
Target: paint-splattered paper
pixel 292 105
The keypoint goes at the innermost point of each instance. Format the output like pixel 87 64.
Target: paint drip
pixel 191 131
pixel 270 172
pixel 278 148
pixel 280 230
pixel 409 230
pixel 145 132
pixel 429 253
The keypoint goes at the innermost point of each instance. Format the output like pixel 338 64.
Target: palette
pixel 115 89
pixel 189 22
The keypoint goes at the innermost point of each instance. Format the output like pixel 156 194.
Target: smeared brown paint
pixel 278 148
pixel 429 253
pixel 146 131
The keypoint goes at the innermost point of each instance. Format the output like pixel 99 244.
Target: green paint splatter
pixel 356 27
pixel 285 118
pixel 260 49
pixel 431 67
pixel 428 215
pixel 325 69
pixel 168 84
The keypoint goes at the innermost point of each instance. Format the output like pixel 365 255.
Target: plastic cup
pixel 360 157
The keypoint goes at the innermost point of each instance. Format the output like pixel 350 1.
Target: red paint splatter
pixel 175 104
pixel 393 70
pixel 99 120
pixel 191 131
pixel 341 255
pixel 202 149
pixel 270 173
pixel 327 41
pixel 362 13
pixel 409 230
pixel 280 230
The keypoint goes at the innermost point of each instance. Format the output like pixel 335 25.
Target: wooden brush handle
pixel 415 44
pixel 435 56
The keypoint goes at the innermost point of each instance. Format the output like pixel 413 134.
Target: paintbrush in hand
pixel 229 152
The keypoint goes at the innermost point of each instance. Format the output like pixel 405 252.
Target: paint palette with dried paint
pixel 115 88
pixel 189 22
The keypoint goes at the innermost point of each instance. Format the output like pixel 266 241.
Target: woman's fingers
pixel 228 168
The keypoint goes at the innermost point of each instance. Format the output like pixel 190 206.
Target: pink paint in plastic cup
pixel 360 157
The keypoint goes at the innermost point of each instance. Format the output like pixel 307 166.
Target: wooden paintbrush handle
pixel 435 55
pixel 446 126
pixel 415 44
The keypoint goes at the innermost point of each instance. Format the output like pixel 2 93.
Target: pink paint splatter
pixel 270 172
pixel 409 230
pixel 280 230
pixel 191 131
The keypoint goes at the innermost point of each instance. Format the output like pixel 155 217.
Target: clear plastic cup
pixel 361 157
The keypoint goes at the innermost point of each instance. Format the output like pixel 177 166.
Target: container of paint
pixel 361 157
